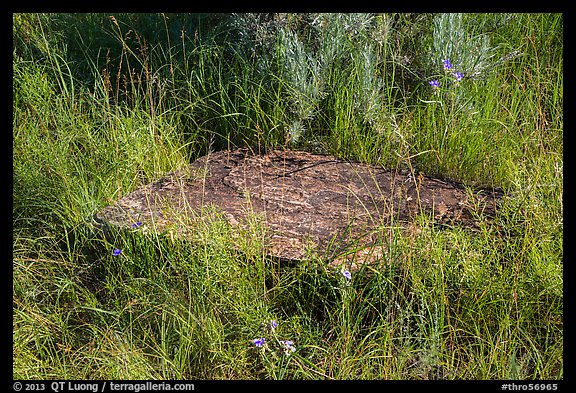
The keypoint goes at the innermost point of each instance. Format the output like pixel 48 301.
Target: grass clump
pixel 104 103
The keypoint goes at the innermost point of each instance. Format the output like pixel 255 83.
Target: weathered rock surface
pixel 307 202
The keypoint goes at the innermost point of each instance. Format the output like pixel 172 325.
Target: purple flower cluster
pixel 448 66
pixel 259 341
pixel 288 347
pixel 458 76
pixel 285 346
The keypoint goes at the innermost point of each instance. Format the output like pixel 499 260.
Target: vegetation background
pixel 105 103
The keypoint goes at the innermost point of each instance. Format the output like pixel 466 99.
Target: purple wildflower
pixel 447 64
pixel 259 341
pixel 288 347
pixel 273 324
pixel 136 224
pixel 347 274
pixel 459 76
pixel 116 252
pixel 434 83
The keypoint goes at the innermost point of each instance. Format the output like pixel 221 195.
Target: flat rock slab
pixel 307 202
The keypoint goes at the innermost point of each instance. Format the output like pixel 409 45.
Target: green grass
pixel 103 105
